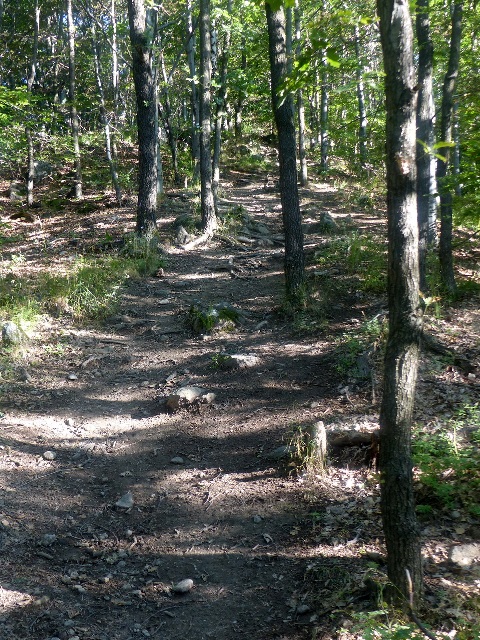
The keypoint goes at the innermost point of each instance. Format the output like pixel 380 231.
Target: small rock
pixel 184 586
pixel 303 608
pixel 465 555
pixel 70 422
pixel 49 455
pixel 257 519
pixel 126 501
pixel 177 460
pixel 239 361
pixel 48 539
pixel 11 334
pixel 72 376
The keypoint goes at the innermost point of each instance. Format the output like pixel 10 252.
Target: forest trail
pixel 85 426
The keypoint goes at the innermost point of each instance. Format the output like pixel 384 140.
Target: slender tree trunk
pixel 146 106
pixel 115 81
pixel 426 184
pixel 241 93
pixel 302 154
pixel 194 101
pixel 221 107
pixel 30 81
pixel 284 119
pixel 324 137
pixel 75 122
pixel 209 218
pixel 446 125
pixel 104 117
pixel 362 113
pixel 165 108
pixel 401 358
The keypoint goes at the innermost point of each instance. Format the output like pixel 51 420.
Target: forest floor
pixel 272 553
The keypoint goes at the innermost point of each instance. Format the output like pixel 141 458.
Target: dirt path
pixel 268 554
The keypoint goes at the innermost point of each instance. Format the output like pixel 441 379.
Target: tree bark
pixel 30 81
pixel 104 117
pixel 446 125
pixel 140 38
pixel 221 106
pixel 401 358
pixel 302 154
pixel 194 103
pixel 324 137
pixel 362 115
pixel 75 122
pixel 426 183
pixel 209 218
pixel 284 119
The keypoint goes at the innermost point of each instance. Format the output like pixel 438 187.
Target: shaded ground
pixel 271 555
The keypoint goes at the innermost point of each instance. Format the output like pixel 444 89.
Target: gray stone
pixel 43 170
pixel 126 501
pixel 465 555
pixel 184 586
pixel 182 236
pixel 177 460
pixel 11 334
pixel 239 361
pixel 187 395
pixel 49 455
pixel 17 190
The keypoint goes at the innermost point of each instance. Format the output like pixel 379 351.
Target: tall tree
pixel 362 113
pixel 283 110
pixel 103 115
pixel 426 184
pixel 194 102
pixel 401 358
pixel 141 41
pixel 446 128
pixel 74 119
pixel 302 154
pixel 209 218
pixel 30 81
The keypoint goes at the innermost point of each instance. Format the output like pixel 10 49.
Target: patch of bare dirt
pixel 84 425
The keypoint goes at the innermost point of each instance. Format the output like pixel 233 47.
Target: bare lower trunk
pixel 284 120
pixel 448 99
pixel 401 358
pixel 209 218
pixel 74 120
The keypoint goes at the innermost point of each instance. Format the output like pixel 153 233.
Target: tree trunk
pixel 146 106
pixel 194 103
pixel 241 92
pixel 30 81
pixel 209 218
pixel 284 119
pixel 362 114
pixel 115 81
pixel 75 123
pixel 401 358
pixel 221 106
pixel 446 125
pixel 324 137
pixel 426 184
pixel 302 155
pixel 104 117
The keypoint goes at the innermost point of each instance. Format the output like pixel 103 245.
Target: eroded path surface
pixel 204 498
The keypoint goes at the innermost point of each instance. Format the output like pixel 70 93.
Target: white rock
pixel 184 586
pixel 126 501
pixel 49 455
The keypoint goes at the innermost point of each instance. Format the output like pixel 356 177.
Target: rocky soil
pixel 126 514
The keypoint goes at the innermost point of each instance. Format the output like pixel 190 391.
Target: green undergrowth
pixel 357 256
pixel 448 461
pixel 355 348
pixel 87 289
